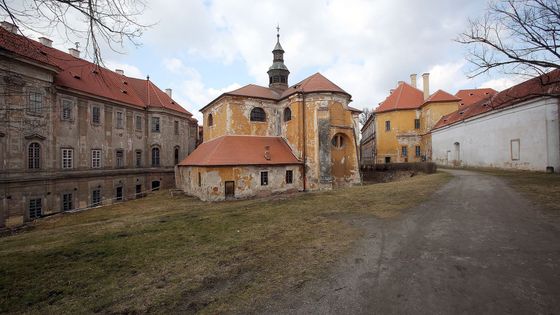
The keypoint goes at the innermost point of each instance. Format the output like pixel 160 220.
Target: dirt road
pixel 477 247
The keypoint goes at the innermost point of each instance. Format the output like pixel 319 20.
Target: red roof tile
pixel 253 90
pixel 471 96
pixel 404 96
pixel 84 76
pixel 241 150
pixel 441 96
pixel 153 96
pixel 544 85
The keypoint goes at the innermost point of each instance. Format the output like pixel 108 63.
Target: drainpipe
pixel 304 143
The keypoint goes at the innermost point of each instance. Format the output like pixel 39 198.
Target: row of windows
pixel 289 177
pixel 388 124
pixel 257 114
pixel 404 151
pixel 34 157
pixel 35 205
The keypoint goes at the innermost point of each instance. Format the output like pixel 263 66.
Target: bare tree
pixel 515 37
pixel 114 22
pixel 366 113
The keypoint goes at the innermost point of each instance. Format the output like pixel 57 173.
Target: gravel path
pixel 477 247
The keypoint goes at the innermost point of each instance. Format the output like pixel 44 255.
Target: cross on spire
pixel 278 31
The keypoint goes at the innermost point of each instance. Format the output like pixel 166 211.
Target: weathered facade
pixel 367 142
pixel 75 135
pixel 312 117
pixel 517 128
pixel 404 120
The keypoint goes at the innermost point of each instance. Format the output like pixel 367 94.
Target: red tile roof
pixel 544 85
pixel 471 96
pixel 441 96
pixel 313 84
pixel 153 96
pixel 241 150
pixel 84 76
pixel 405 96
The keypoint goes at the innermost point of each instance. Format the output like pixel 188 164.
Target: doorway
pixel 230 189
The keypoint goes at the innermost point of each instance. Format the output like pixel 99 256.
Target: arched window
pixel 155 157
pixel 258 114
pixel 176 155
pixel 210 120
pixel 287 114
pixel 338 140
pixel 34 155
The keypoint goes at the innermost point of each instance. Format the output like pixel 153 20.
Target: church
pixel 260 141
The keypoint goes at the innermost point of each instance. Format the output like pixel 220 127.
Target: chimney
pixel 426 81
pixel 119 71
pixel 413 80
pixel 169 92
pixel 74 52
pixel 9 27
pixel 45 41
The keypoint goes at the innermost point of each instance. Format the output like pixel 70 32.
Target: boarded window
pixel 515 149
pixel 258 114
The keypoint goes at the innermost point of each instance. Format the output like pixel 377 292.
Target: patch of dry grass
pixel 177 254
pixel 542 188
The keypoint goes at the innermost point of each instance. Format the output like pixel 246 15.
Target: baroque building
pixel 76 135
pixel 265 140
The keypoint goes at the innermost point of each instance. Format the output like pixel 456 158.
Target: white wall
pixel 485 140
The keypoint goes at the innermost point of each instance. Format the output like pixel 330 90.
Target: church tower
pixel 278 73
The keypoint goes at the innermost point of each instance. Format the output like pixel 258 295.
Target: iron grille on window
pixel 67 202
pixel 258 114
pixel 35 208
pixel 34 156
pixel 264 178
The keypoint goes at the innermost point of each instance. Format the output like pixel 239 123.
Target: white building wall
pixel 486 140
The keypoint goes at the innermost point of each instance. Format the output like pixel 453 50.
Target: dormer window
pixel 258 114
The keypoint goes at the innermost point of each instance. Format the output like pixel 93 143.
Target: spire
pixel 278 73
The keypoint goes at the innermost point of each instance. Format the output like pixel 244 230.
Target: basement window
pixel 264 178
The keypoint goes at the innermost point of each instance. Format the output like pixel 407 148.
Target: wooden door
pixel 230 189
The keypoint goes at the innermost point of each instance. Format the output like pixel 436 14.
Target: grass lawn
pixel 168 254
pixel 541 188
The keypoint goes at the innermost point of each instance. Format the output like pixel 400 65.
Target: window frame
pixel 258 114
pixel 37 107
pixel 515 157
pixel 264 178
pixel 121 159
pixel 156 157
pixel 176 154
pixel 287 114
pixel 96 202
pixel 210 120
pixel 387 125
pixel 35 205
pixel 176 127
pixel 404 151
pixel 66 109
pixel 338 141
pixel 96 158
pixel 138 158
pixel 417 151
pixel 289 176
pixel 67 158
pixel 416 123
pixel 66 201
pixel 119 119
pixel 138 123
pixel 96 118
pixel 34 158
pixel 156 124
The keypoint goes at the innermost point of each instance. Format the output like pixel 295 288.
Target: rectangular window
pixel 95 158
pixel 119 194
pixel 515 149
pixel 199 179
pixel 119 158
pixel 67 203
pixel 138 158
pixel 404 150
pixel 264 178
pixel 96 197
pixel 417 149
pixel 387 125
pixel 67 158
pixel 138 191
pixel 35 104
pixel 387 159
pixel 289 176
pixel 176 127
pixel 416 123
pixel 120 120
pixel 35 208
pixel 67 106
pixel 96 115
pixel 138 123
pixel 155 124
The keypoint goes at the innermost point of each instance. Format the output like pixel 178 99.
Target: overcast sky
pixel 201 48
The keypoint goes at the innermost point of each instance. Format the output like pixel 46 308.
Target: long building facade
pixel 76 135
